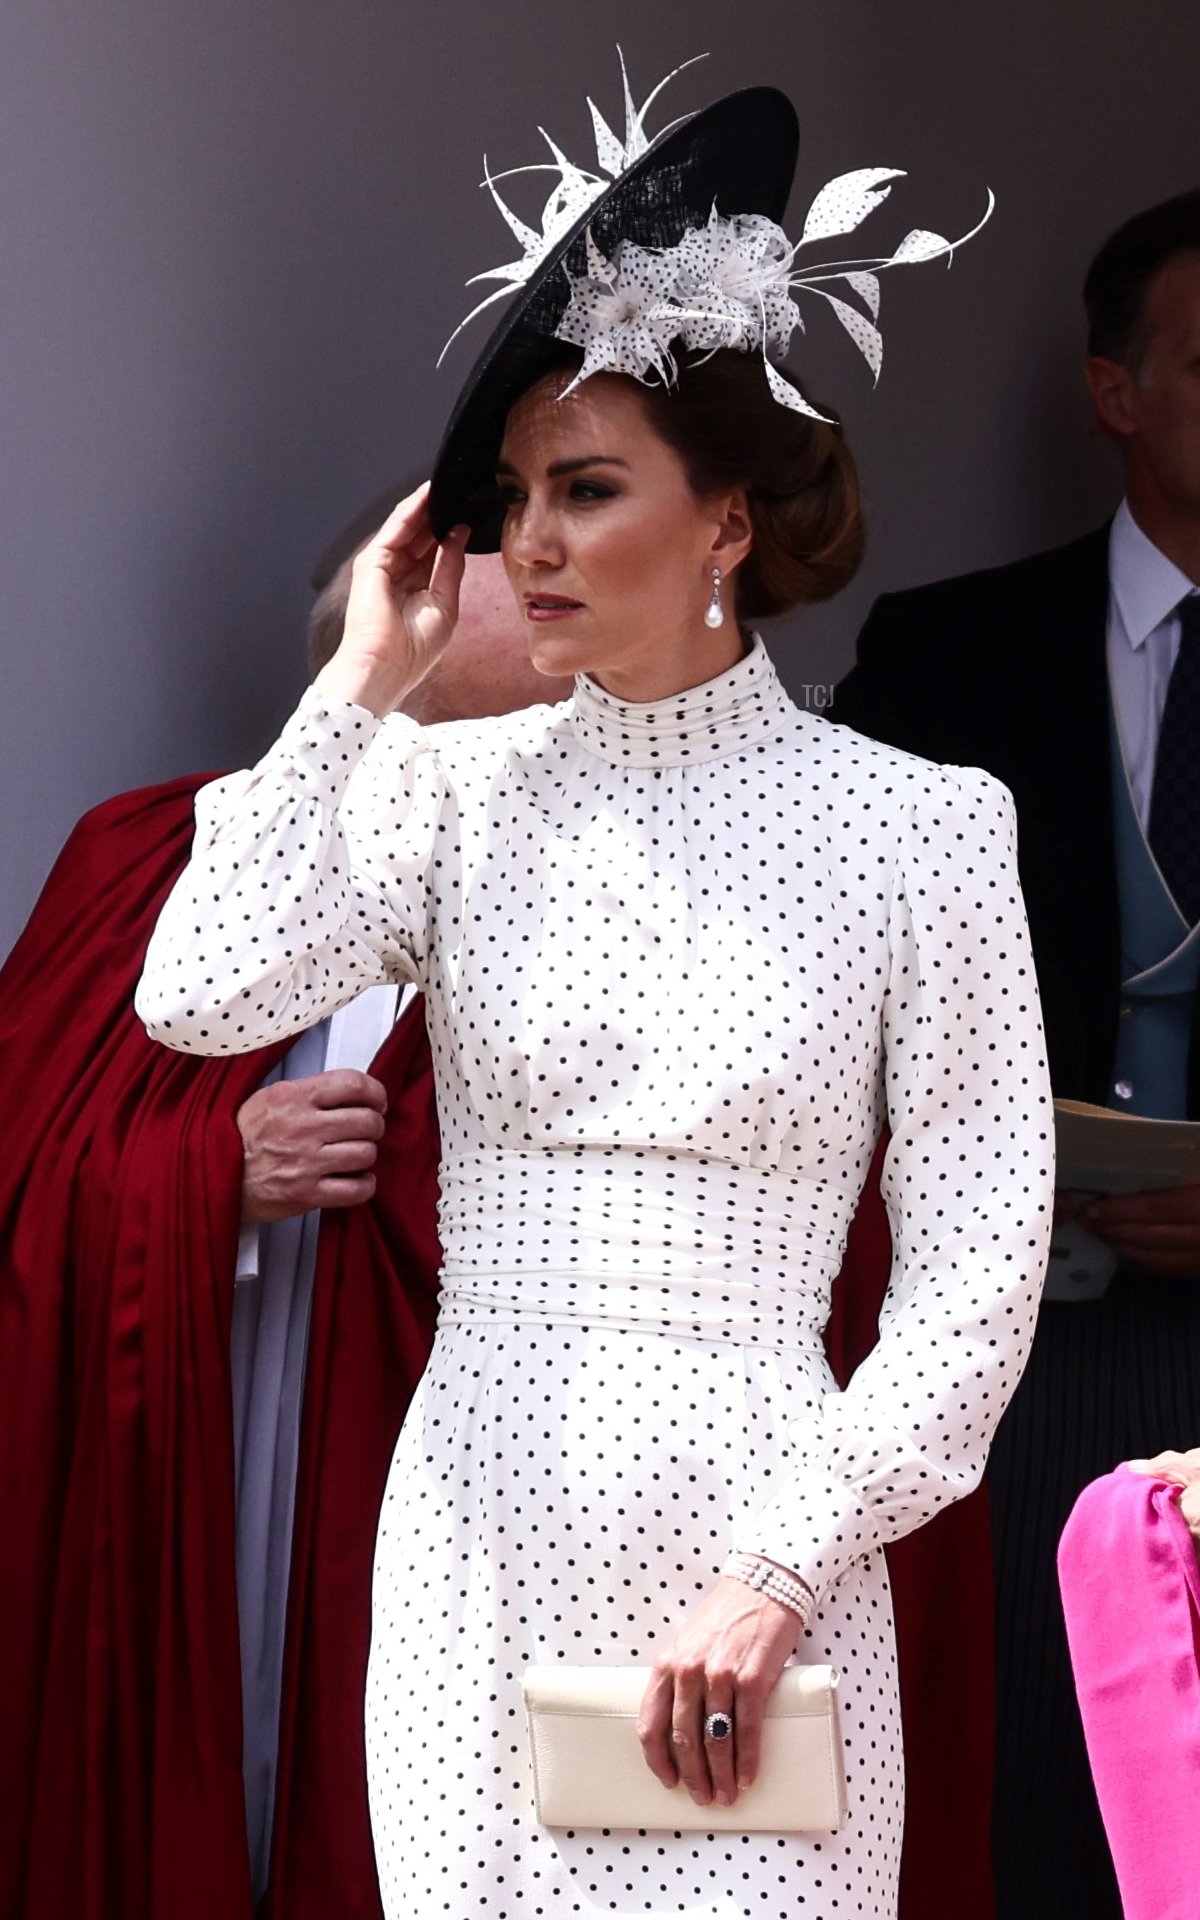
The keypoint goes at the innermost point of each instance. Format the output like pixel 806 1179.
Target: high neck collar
pixel 742 706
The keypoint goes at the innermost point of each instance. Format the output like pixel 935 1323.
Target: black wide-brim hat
pixel 738 155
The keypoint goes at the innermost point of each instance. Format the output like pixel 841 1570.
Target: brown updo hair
pixel 801 482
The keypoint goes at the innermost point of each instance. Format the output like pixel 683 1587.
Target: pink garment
pixel 1131 1591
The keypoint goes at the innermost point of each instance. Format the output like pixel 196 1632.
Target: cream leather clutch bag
pixel 588 1769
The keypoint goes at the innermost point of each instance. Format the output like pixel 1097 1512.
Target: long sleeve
pixel 968 1183
pixel 1131 1597
pixel 307 884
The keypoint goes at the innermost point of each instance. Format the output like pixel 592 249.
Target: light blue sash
pixel 1160 968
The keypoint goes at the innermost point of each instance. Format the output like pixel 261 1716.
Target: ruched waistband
pixel 738 1314
pixel 642 1240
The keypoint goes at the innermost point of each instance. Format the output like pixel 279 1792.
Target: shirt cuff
pixel 247 1254
pixel 321 746
pixel 815 1527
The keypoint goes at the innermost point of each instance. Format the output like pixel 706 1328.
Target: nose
pixel 532 537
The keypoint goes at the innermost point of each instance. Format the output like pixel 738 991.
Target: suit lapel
pixel 1062 773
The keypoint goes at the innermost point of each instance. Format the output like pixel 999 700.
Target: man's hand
pixel 310 1143
pixel 1160 1230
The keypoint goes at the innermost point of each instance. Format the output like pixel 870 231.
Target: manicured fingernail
pixel 743 1782
pixel 724 1799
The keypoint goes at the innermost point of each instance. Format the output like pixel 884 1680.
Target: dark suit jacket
pixel 1006 670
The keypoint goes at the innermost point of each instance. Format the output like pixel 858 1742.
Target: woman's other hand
pixel 401 612
pixel 725 1658
pixel 1178 1470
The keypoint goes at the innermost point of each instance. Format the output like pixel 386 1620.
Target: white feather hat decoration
pixel 631 265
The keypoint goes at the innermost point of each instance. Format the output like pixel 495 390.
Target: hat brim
pixel 738 155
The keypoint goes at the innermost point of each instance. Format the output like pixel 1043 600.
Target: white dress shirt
pixel 268 1347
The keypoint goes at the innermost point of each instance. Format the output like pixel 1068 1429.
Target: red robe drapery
pixel 120 1181
pixel 120 1191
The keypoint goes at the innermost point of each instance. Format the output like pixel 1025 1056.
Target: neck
pixel 1175 530
pixel 646 682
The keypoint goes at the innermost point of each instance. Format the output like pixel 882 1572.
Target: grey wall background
pixel 232 240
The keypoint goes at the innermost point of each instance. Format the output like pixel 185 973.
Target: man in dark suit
pixel 1075 677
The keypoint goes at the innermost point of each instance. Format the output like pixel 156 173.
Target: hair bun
pixel 801 481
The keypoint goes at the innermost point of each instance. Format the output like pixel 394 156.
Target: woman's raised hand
pixel 401 612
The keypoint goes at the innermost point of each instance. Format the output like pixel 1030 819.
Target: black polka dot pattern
pixel 680 961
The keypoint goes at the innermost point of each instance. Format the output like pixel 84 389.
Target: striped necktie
pixel 1174 832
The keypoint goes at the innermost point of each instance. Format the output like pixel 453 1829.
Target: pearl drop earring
pixel 714 613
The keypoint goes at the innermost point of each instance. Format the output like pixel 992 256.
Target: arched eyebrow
pixel 558 467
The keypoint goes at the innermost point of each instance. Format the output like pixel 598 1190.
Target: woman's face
pixel 607 549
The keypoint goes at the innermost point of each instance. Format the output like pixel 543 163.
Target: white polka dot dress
pixel 679 961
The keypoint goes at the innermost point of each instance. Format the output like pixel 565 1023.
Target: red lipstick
pixel 550 606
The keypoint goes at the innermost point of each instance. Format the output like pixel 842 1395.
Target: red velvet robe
pixel 120 1184
pixel 120 1197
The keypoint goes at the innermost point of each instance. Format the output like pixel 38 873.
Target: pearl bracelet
pixel 776 1582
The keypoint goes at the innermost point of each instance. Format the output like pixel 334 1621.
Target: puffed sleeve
pixel 307 884
pixel 969 1185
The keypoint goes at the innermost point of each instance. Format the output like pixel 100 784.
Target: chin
pixel 560 658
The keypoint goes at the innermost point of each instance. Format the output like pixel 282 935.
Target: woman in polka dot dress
pixel 684 947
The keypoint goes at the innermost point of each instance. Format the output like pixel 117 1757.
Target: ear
pixel 733 534
pixel 1114 391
